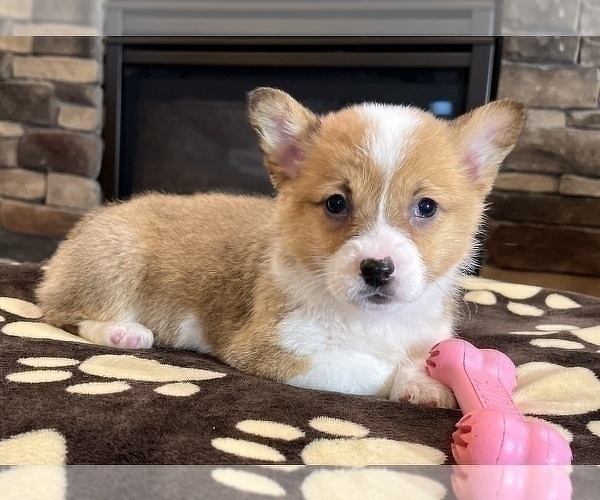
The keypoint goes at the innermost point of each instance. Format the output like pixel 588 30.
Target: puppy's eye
pixel 336 205
pixel 426 208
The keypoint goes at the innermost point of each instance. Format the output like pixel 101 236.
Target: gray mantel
pixel 302 17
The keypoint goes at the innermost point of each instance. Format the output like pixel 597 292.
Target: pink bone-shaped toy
pixel 511 482
pixel 492 430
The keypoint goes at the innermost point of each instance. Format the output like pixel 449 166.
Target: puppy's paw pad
pixel 130 336
pixel 425 392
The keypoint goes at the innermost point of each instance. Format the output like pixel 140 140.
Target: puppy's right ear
pixel 284 128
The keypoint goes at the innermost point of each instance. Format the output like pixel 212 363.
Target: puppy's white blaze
pixel 190 336
pixel 382 241
pixel 391 132
pixel 391 129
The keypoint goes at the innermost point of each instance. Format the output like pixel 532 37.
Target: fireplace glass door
pixel 184 128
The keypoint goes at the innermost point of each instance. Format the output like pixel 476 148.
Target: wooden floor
pixel 567 282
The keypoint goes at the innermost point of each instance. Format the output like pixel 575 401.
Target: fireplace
pixel 175 107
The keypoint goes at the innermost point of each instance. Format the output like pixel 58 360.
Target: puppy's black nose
pixel 376 272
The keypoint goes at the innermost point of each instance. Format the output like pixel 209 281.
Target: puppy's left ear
pixel 284 128
pixel 485 136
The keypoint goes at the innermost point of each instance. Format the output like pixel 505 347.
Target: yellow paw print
pixel 483 291
pixel 334 484
pixel 124 368
pixel 177 381
pixel 344 443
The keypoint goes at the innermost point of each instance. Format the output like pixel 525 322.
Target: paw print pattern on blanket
pixel 33 482
pixel 545 388
pixel 39 447
pixel 343 443
pixel 540 383
pixel 594 428
pixel 123 367
pixel 90 372
pixel 336 483
pixel 483 292
pixel 590 335
pixel 19 307
pixel 177 381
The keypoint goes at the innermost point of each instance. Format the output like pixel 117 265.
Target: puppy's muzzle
pixel 377 272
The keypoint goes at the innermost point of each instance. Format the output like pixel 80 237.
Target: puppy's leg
pixel 91 282
pixel 126 334
pixel 413 385
pixel 348 372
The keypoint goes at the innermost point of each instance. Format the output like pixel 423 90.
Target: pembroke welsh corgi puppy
pixel 342 283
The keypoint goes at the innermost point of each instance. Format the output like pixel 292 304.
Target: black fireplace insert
pixel 175 107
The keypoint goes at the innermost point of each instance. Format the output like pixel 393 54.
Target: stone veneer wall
pixel 50 113
pixel 51 17
pixel 50 118
pixel 546 204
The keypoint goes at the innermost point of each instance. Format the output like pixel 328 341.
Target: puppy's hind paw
pixel 125 335
pixel 130 336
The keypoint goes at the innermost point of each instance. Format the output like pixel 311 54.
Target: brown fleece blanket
pixel 65 401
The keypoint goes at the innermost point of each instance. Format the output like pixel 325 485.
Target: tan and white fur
pixel 274 287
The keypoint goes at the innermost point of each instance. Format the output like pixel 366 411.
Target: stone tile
pixel 16 44
pixel 584 119
pixel 553 87
pixel 531 160
pixel 541 49
pixel 590 51
pixel 68 11
pixel 9 129
pixel 84 95
pixel 538 248
pixel 575 185
pixel 6 27
pixel 63 69
pixel 574 151
pixel 545 209
pixel 78 118
pixel 532 183
pixel 557 16
pixel 22 184
pixel 27 102
pixel 17 9
pixel 79 46
pixel 55 29
pixel 590 17
pixel 40 220
pixel 545 118
pixel 5 66
pixel 61 151
pixel 8 152
pixel 73 191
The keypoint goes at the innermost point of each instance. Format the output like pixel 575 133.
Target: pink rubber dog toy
pixel 492 430
pixel 511 482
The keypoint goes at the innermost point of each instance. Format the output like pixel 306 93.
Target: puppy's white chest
pixel 388 339
pixel 354 357
pixel 349 372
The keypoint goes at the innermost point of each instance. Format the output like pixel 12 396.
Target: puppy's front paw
pixel 422 390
